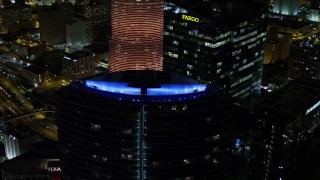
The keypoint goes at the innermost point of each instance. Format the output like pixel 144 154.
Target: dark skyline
pixel 226 89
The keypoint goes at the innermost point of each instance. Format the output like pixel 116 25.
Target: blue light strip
pixel 176 89
pixel 164 90
pixel 114 87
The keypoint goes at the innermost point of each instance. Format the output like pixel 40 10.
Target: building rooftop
pixel 310 43
pixel 294 99
pixel 154 83
pixel 147 85
pixel 77 54
pixel 230 9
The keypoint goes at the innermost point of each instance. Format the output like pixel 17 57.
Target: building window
pixel 216 137
pixel 175 42
pixel 170 27
pixel 95 126
pixel 187 161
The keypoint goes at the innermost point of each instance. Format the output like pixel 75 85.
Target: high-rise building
pixel 76 32
pixel 52 26
pixel 285 141
pixel 144 125
pixel 137 35
pixel 286 7
pixel 304 59
pixel 217 43
pixel 40 161
pixel 97 19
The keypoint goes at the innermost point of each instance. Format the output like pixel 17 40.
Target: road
pixel 15 102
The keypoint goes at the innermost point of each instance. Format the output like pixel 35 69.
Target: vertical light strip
pixel 142 146
pixel 139 145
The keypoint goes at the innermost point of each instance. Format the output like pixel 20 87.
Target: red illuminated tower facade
pixel 137 35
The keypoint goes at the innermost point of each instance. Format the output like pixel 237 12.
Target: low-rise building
pixel 28 49
pixel 78 65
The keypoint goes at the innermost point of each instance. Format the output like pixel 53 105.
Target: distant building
pixel 277 46
pixel 78 65
pixel 304 59
pixel 137 35
pixel 314 15
pixel 35 75
pixel 101 52
pixel 298 29
pixel 281 34
pixel 28 49
pixel 67 9
pixel 97 21
pixel 271 51
pixel 285 132
pixel 43 2
pixel 76 32
pixel 40 162
pixel 314 4
pixel 16 18
pixel 52 61
pixel 52 26
pixel 286 7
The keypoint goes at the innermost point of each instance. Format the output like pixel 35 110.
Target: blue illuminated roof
pixel 114 87
pixel 162 90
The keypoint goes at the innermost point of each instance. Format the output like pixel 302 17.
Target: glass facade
pixel 213 49
pixel 115 135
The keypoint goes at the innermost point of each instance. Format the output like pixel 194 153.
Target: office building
pixel 78 65
pixel 217 43
pixel 298 29
pixel 52 26
pixel 76 33
pixel 304 58
pixel 286 7
pixel 285 133
pixel 16 18
pixel 144 125
pixel 314 4
pixel 137 35
pixel 97 21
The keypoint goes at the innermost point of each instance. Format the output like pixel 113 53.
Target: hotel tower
pixel 137 35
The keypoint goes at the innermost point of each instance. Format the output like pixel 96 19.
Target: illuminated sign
pixel 54 169
pixel 190 18
pixel 313 107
